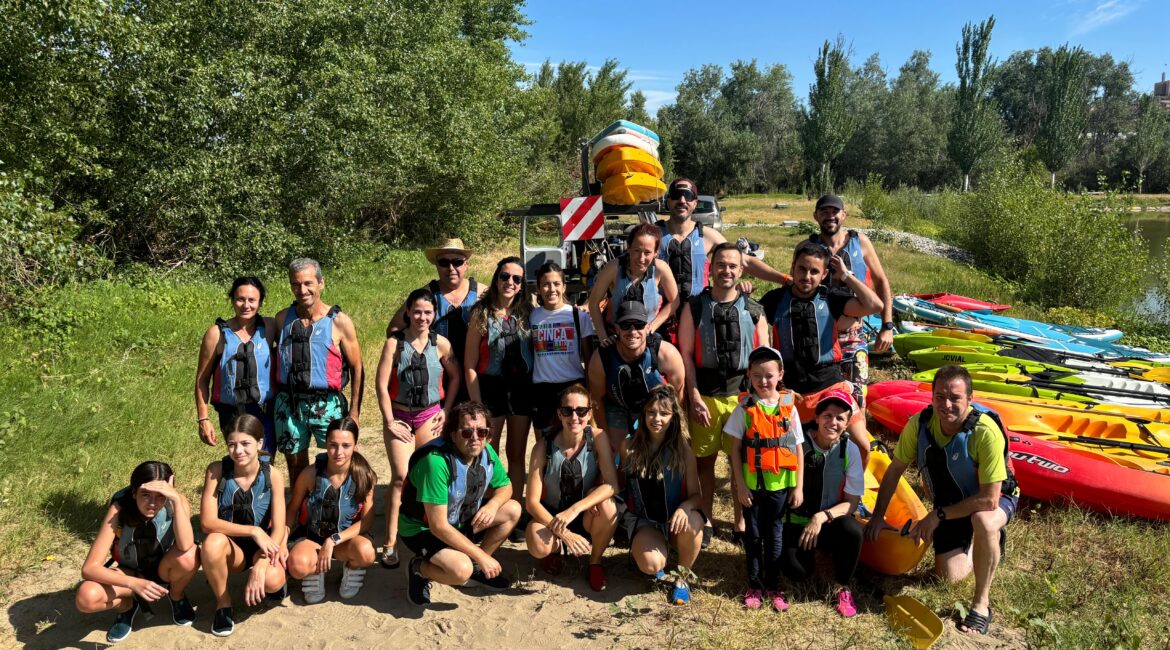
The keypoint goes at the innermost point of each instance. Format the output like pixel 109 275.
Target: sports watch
pixel 336 537
pixel 941 514
pixel 888 325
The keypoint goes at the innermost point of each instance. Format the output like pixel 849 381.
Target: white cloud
pixel 656 99
pixel 1102 14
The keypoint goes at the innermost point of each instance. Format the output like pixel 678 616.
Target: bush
pixel 907 209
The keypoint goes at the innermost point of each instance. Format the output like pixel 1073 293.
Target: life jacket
pixel 506 350
pixel 141 548
pixel 451 320
pixel 309 360
pixel 950 473
pixel 822 347
pixel 687 259
pixel 824 477
pixel 725 334
pixel 417 380
pixel 467 484
pixel 656 499
pixel 243 373
pixel 628 383
pixel 567 481
pixel 853 257
pixel 768 440
pixel 329 510
pixel 626 290
pixel 251 507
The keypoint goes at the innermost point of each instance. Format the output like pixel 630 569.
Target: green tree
pixel 975 128
pixel 1066 102
pixel 827 124
pixel 866 95
pixel 1148 142
pixel 913 150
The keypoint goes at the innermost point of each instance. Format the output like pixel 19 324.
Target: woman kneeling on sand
pixel 571 486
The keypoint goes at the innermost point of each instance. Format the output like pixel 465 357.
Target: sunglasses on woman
pixel 452 262
pixel 478 432
pixel 569 411
pixel 504 277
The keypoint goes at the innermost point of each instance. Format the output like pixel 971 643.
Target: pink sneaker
pixel 753 599
pixel 778 601
pixel 845 605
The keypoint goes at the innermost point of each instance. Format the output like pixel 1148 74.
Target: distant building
pixel 1162 91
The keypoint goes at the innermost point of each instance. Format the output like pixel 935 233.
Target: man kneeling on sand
pixel 457 507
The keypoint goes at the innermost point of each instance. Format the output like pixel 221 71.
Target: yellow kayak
pixel 621 160
pixel 631 188
pixel 892 553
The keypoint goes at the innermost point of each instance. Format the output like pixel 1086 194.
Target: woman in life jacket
pixel 833 484
pixel 417 382
pixel 234 372
pixel 333 504
pixel 147 531
pixel 242 513
pixel 571 485
pixel 498 362
pixel 562 342
pixel 661 486
pixel 639 276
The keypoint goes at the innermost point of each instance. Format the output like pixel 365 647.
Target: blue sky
pixel 659 41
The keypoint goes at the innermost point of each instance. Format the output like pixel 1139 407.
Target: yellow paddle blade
pixel 916 622
pixel 1157 374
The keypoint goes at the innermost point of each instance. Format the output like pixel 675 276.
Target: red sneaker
pixel 553 563
pixel 597 578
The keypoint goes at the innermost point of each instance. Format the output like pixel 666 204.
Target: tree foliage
pixel 1066 103
pixel 1150 140
pixel 827 123
pixel 975 128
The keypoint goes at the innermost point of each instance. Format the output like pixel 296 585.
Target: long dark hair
pixel 422 293
pixel 151 470
pixel 644 462
pixel 364 477
pixel 521 305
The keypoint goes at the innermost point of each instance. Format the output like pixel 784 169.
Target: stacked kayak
pixel 625 159
pixel 962 303
pixel 936 357
pixel 893 553
pixel 1036 377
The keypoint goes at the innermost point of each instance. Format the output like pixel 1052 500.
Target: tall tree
pixel 866 94
pixel 827 124
pixel 1066 102
pixel 913 149
pixel 974 125
pixel 1148 142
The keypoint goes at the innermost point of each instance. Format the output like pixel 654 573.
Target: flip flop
pixel 975 621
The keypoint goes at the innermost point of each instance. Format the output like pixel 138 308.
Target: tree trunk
pixel 966 182
pixel 1053 186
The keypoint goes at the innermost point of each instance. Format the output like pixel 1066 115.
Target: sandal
pixel 975 621
pixel 389 557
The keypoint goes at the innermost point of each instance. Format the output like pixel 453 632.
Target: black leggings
pixel 764 528
pixel 840 538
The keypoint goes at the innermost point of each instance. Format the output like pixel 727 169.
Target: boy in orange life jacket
pixel 767 463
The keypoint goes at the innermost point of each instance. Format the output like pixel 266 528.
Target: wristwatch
pixel 336 538
pixel 941 514
pixel 888 325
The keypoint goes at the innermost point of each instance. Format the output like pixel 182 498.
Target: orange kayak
pixel 621 160
pixel 892 553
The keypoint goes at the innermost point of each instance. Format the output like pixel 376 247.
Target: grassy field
pixel 100 377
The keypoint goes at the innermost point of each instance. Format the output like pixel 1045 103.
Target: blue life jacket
pixel 507 348
pixel 818 350
pixel 824 477
pixel 467 484
pixel 628 383
pixel 568 481
pixel 725 334
pixel 251 507
pixel 141 548
pixel 243 374
pixel 687 259
pixel 330 510
pixel 625 290
pixel 853 257
pixel 417 381
pixel 950 473
pixel 451 320
pixel 656 499
pixel 309 360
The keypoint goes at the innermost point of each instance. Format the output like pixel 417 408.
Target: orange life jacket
pixel 768 440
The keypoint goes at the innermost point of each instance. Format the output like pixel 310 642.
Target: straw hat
pixel 450 246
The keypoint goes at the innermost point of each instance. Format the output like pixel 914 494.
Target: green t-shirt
pixel 985 446
pixel 431 479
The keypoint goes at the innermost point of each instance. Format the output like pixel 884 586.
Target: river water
pixel 1155 228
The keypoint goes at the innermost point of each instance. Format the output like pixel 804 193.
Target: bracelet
pixel 828 514
pixel 202 419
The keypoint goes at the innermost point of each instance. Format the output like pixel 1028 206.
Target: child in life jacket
pixel 147 530
pixel 767 460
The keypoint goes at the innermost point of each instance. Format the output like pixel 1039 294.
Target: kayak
pixel 962 303
pixel 1099 387
pixel 603 146
pixel 626 126
pixel 621 160
pixel 1058 472
pixel 631 188
pixel 905 344
pixel 927 358
pixel 892 553
pixel 916 308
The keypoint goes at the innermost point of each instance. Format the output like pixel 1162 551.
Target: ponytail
pixel 364 478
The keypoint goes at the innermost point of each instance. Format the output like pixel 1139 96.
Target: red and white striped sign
pixel 582 218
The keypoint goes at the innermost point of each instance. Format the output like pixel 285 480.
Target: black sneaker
pixel 278 596
pixel 418 588
pixel 123 624
pixel 182 613
pixel 737 538
pixel 708 533
pixel 224 624
pixel 498 583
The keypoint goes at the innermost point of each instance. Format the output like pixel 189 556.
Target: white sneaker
pixel 313 586
pixel 351 581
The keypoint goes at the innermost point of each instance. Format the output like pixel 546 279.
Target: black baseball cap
pixel 830 200
pixel 632 310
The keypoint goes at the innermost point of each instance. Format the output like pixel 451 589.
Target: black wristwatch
pixel 941 514
pixel 888 325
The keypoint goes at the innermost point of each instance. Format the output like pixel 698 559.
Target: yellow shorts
pixel 706 441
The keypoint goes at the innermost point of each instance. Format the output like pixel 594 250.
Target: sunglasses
pixel 568 411
pixel 681 193
pixel 451 263
pixel 628 325
pixel 474 432
pixel 504 277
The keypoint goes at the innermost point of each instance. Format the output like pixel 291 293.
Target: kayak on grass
pixel 962 303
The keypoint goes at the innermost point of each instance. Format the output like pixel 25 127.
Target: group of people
pixel 631 401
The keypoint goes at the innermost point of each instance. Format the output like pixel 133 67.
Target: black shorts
pixel 425 544
pixel 506 396
pixel 249 548
pixel 954 534
pixel 545 400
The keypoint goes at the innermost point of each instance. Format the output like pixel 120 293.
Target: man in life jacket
pixel 318 354
pixel 457 507
pixel 685 245
pixel 961 449
pixel 857 252
pixel 456 293
pixel 804 319
pixel 621 376
pixel 718 329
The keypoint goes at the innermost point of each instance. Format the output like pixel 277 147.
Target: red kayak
pixel 962 303
pixel 1050 471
